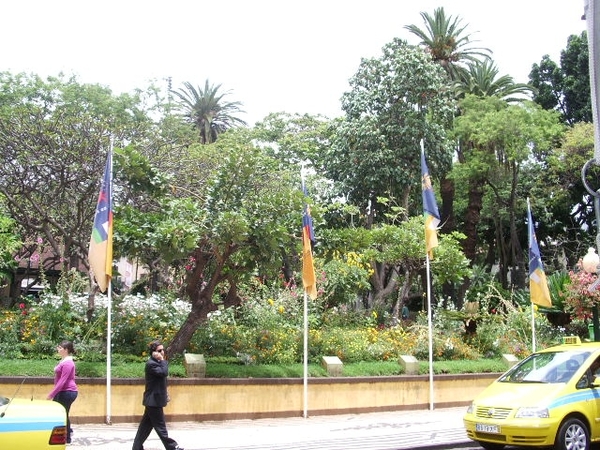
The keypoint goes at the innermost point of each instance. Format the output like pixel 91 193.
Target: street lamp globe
pixel 591 261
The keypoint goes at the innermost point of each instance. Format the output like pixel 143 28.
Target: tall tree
pixel 567 221
pixel 207 110
pixel 294 138
pixel 450 45
pixel 481 79
pixel 447 41
pixel 503 138
pixel 54 135
pixel 394 102
pixel 237 224
pixel 565 88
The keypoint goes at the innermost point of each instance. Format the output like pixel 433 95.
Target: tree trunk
pixel 384 283
pixel 518 264
pixel 402 297
pixel 200 291
pixel 447 213
pixel 503 250
pixel 472 217
pixel 184 335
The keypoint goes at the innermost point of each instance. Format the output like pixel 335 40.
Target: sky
pixel 271 55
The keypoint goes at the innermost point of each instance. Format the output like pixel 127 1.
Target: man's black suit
pixel 155 399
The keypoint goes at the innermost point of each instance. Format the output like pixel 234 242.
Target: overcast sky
pixel 274 55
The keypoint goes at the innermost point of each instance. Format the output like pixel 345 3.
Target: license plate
pixel 483 428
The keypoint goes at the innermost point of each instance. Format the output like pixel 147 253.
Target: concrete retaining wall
pixel 220 399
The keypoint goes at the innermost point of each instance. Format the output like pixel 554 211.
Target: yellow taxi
pixel 32 424
pixel 549 399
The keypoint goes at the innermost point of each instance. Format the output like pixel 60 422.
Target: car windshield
pixel 547 367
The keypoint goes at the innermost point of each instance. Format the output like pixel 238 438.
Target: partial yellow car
pixel 32 424
pixel 549 399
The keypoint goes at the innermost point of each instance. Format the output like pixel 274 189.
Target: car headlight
pixel 532 413
pixel 470 409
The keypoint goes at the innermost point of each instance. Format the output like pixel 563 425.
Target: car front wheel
pixel 572 435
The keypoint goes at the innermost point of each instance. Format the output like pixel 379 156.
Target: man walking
pixel 155 399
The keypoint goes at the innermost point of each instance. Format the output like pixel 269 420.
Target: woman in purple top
pixel 65 389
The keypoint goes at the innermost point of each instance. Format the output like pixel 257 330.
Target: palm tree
pixel 481 79
pixel 449 45
pixel 444 38
pixel 206 110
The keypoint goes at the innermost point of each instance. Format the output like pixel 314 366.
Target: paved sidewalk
pixel 374 431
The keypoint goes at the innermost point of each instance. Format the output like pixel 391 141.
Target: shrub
pixel 10 331
pixel 268 328
pixel 138 320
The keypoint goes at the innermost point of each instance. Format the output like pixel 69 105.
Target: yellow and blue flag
pixel 100 252
pixel 308 239
pixel 430 209
pixel 538 284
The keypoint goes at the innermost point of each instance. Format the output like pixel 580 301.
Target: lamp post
pixel 590 264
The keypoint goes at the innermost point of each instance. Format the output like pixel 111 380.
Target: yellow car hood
pixel 511 395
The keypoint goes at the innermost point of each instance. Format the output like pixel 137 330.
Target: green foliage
pixel 388 255
pixel 11 326
pixel 216 368
pixel 346 278
pixel 9 244
pixel 34 327
pixel 293 139
pixel 394 101
pixel 70 282
pixel 450 264
pixel 264 329
pixel 267 329
pixel 360 344
pixel 139 320
pixel 495 323
pixel 56 132
pixel 445 345
pixel 495 365
pixel 207 111
pixel 565 88
pixel 558 286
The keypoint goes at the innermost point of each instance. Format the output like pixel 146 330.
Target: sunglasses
pixel 160 349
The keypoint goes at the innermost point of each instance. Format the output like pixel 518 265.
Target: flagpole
pixel 430 330
pixel 109 315
pixel 100 259
pixel 533 327
pixel 532 304
pixel 432 220
pixel 108 354
pixel 309 283
pixel 538 284
pixel 305 376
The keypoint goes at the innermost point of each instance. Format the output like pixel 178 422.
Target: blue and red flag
pixel 308 239
pixel 538 284
pixel 430 209
pixel 100 252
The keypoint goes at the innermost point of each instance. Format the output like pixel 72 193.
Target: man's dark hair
pixel 154 345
